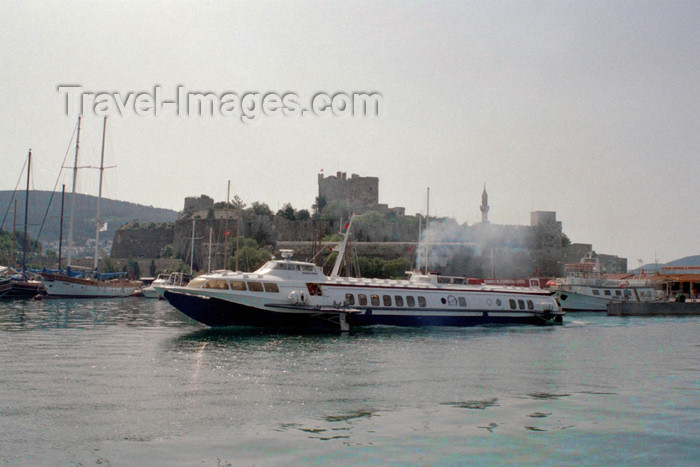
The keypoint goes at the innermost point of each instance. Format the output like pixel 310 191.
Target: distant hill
pixel 653 267
pixel 116 213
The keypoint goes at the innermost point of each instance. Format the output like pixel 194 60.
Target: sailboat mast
pixel 98 221
pixel 72 198
pixel 14 236
pixel 192 249
pixel 26 210
pixel 427 225
pixel 60 228
pixel 226 232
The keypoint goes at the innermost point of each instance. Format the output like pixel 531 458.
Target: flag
pixel 103 228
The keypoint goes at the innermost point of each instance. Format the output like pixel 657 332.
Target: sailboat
pixel 22 284
pixel 92 284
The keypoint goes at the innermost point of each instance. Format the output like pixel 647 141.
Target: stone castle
pixel 482 249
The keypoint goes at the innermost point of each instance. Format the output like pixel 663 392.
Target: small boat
pixel 585 289
pixel 163 281
pixel 295 294
pixel 23 285
pixel 5 285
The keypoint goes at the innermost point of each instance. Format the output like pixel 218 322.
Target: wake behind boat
pixel 294 294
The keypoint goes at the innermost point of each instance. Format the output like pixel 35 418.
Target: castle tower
pixel 484 206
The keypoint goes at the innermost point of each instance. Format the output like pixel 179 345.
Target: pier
pixel 654 309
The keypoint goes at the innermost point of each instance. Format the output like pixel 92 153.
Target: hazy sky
pixel 588 108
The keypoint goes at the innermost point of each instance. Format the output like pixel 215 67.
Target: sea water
pixel 134 382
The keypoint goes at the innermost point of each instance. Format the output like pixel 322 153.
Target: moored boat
pixel 164 280
pixel 585 289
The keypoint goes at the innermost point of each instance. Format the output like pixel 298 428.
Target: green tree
pixel 261 209
pixel 302 215
pixel 167 251
pixel 249 255
pixel 287 212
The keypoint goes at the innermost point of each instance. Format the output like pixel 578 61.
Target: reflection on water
pixel 16 315
pixel 120 381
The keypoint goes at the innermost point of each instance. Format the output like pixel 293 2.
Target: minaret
pixel 484 206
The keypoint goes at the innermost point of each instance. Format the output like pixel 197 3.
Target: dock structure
pixel 654 309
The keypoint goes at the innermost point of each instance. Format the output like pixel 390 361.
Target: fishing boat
pixel 87 284
pixel 293 294
pixel 585 289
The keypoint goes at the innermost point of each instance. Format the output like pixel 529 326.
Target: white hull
pixel 76 288
pixel 293 294
pixel 151 292
pixel 582 298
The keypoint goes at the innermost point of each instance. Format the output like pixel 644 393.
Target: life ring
pixel 626 284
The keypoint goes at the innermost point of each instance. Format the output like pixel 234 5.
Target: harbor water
pixel 134 382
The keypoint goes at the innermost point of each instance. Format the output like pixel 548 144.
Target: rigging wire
pixel 19 179
pixel 53 192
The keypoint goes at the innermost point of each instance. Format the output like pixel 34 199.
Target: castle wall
pixel 141 241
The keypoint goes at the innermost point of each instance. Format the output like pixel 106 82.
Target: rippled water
pixel 133 382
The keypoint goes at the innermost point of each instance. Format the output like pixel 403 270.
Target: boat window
pixel 462 301
pixel 499 302
pixel 410 301
pixel 271 287
pixel 399 300
pixel 306 268
pixel 255 286
pixel 374 299
pixel 216 284
pixel 237 285
pixel 521 304
pixel 618 293
pixel 511 302
pixel 362 298
pixel 196 283
pixel 530 305
pixel 387 300
pixel 421 301
pixel 442 300
pixel 349 299
pixel 596 292
pixel 607 292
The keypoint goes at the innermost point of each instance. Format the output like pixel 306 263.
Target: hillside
pixel 686 261
pixel 114 212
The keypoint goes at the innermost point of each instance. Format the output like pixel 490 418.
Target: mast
pixel 238 231
pixel 192 249
pixel 26 210
pixel 210 232
pixel 14 236
pixel 72 198
pixel 427 225
pixel 341 251
pixel 60 228
pixel 98 221
pixel 228 194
